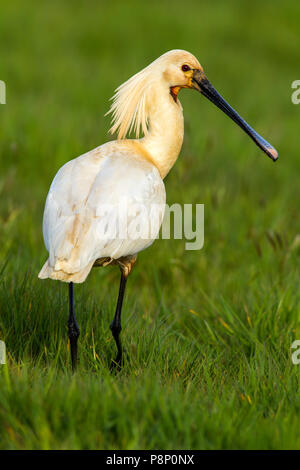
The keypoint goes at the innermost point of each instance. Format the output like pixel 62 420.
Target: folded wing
pixel 100 206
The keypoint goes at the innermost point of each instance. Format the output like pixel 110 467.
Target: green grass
pixel 208 333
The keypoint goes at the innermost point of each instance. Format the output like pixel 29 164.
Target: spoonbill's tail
pixel 49 271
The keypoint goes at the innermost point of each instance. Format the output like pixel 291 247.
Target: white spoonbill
pixel 123 171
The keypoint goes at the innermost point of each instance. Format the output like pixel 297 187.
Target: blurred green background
pixel 208 333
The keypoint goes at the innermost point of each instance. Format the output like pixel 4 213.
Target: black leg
pixel 115 325
pixel 74 331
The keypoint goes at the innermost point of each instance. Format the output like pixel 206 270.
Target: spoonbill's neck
pixel 164 139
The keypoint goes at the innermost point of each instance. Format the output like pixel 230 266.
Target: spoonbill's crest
pixel 134 99
pixel 120 173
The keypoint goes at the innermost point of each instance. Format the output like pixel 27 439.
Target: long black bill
pixel 202 84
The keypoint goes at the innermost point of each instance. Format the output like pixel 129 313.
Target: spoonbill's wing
pixel 95 208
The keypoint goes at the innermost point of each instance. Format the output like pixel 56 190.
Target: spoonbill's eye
pixel 185 68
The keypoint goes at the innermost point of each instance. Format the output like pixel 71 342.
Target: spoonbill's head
pixel 173 71
pixel 176 69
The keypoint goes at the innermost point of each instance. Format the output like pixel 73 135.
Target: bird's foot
pixel 117 364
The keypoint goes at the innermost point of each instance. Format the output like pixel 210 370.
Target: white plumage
pixel 117 173
pixel 86 195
